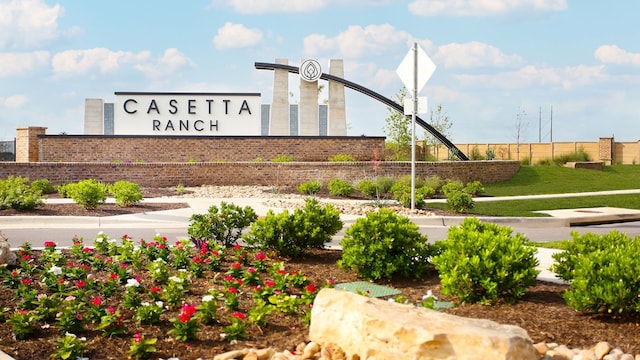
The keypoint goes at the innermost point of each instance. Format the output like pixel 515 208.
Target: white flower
pixel 159 303
pixel 207 298
pixel 55 270
pixel 132 282
pixel 70 334
pixel 429 295
pixel 45 326
pixel 145 303
pixel 175 279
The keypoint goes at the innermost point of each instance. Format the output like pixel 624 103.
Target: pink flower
pixel 49 244
pixel 111 310
pixel 270 283
pixel 137 337
pixel 97 301
pixel 261 256
pixel 237 247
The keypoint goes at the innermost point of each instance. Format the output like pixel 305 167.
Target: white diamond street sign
pixel 408 67
pixel 414 71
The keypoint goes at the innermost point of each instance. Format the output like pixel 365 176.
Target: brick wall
pixel 90 148
pixel 254 173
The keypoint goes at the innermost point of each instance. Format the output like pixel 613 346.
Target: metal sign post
pixel 415 80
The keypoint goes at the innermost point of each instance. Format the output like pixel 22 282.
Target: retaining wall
pixel 166 174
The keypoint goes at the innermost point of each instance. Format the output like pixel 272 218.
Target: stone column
pixel 27 144
pixel 93 116
pixel 279 119
pixel 337 114
pixel 605 146
pixel 309 125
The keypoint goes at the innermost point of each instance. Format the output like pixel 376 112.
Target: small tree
pixel 398 129
pixel 440 121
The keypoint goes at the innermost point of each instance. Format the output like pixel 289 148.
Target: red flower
pixel 260 256
pixel 237 247
pixel 155 289
pixel 311 288
pixel 49 244
pixel 232 290
pixel 97 301
pixel 184 317
pixel 114 276
pixel 137 337
pixel 238 315
pixel 270 283
pixel 236 265
pixel 81 283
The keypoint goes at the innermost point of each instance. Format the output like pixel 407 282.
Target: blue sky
pixel 497 60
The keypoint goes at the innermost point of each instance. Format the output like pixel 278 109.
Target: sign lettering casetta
pixel 221 114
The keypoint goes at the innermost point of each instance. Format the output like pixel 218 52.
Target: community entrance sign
pixel 145 113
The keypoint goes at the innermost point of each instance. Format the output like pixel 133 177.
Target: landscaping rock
pixel 6 255
pixel 369 328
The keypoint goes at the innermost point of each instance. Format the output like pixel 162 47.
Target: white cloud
pixel 102 60
pixel 26 23
pixel 14 102
pixel 16 64
pixel 232 36
pixel 356 41
pixel 168 63
pixel 530 76
pixel 275 6
pixel 612 54
pixel 474 54
pixel 483 7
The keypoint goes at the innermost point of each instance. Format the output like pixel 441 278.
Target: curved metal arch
pixel 385 100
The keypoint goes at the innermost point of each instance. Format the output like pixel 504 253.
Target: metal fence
pixel 8 150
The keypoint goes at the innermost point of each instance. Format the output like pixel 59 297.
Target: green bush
pixel 459 201
pixel 384 244
pixel 342 158
pixel 474 188
pixel 15 193
pixel 43 186
pixel 605 279
pixel 433 182
pixel 88 193
pixel 581 246
pixel 339 187
pixel 63 190
pixel 483 262
pixel 223 225
pixel 451 186
pixel 282 158
pixel 368 187
pixel 402 193
pixel 291 235
pixel 126 193
pixel 309 188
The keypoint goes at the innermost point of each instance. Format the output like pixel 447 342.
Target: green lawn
pixel 534 180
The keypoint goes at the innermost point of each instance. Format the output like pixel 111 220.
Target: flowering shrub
pixel 101 292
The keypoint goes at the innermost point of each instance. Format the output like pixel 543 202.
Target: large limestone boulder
pixel 368 328
pixel 6 255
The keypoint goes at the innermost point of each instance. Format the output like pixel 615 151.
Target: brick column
pixel 27 143
pixel 605 146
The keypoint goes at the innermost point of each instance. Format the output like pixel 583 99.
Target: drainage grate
pixel 368 289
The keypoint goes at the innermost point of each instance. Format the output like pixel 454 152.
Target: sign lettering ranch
pixel 202 114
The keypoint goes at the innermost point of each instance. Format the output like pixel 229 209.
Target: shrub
pixel 291 235
pixel 605 279
pixel 459 201
pixel 402 193
pixel 88 193
pixel 433 182
pixel 339 187
pixel 126 193
pixel 342 158
pixel 282 158
pixel 451 186
pixel 484 262
pixel 368 187
pixel 15 193
pixel 63 190
pixel 43 186
pixel 475 154
pixel 384 244
pixel 580 247
pixel 490 154
pixel 223 225
pixel 474 188
pixel 309 188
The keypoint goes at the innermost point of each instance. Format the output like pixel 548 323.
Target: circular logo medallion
pixel 310 70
